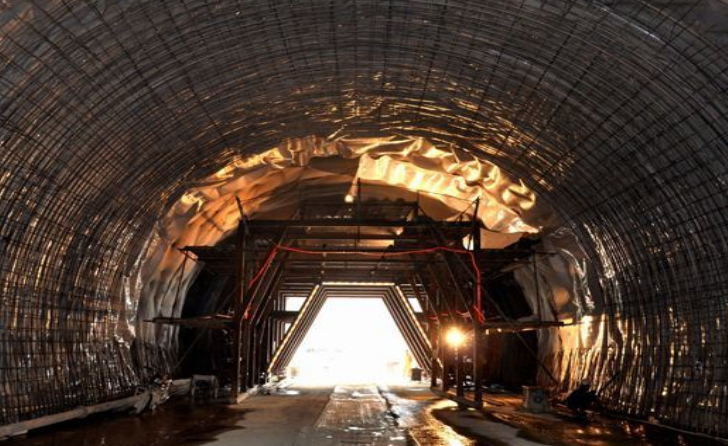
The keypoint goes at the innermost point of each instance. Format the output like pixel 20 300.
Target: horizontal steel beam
pixel 369 222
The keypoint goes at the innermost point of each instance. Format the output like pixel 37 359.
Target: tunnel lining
pixel 629 143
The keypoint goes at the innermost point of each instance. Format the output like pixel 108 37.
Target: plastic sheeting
pixel 556 285
pixel 447 181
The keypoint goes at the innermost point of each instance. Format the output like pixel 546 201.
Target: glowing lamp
pixel 455 337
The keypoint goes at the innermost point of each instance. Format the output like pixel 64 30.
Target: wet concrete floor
pixel 365 415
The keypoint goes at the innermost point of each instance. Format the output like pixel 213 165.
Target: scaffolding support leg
pixel 477 366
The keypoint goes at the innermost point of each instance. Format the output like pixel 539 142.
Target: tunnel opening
pixel 353 340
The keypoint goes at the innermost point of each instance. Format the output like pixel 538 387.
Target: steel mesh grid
pixel 613 112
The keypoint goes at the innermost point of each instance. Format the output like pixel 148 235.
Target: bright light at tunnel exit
pixel 353 341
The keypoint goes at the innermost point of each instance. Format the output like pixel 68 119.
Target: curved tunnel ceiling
pixel 611 111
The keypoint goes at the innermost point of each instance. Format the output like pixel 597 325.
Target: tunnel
pixel 547 177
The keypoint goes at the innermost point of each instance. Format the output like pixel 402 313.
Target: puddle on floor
pixel 432 421
pixel 523 429
pixel 176 423
pixel 599 431
pixel 414 407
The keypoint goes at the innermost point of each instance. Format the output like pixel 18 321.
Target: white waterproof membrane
pixel 447 181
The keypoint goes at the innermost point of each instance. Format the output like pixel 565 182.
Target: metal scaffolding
pixel 389 250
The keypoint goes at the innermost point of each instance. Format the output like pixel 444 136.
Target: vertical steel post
pixel 239 309
pixel 434 329
pixel 536 287
pixel 477 366
pixel 358 212
pixel 477 329
pixel 444 359
pixel 459 375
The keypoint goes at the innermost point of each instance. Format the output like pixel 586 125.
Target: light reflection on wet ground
pixel 413 406
pixel 437 422
pixel 598 431
pixel 435 433
pixel 304 416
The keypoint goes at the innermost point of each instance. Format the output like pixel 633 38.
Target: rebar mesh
pixel 613 111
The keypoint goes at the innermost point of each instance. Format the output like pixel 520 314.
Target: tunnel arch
pixel 611 111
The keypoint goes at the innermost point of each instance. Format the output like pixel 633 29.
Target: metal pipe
pixel 137 402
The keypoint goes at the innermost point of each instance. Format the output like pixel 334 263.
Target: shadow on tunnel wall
pixel 509 361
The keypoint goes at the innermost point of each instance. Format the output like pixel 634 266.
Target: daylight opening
pixel 353 340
